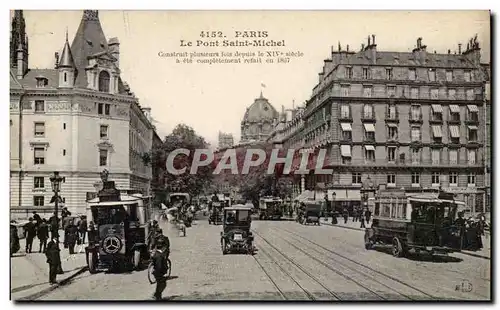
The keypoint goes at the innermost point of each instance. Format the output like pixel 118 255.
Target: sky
pixel 213 98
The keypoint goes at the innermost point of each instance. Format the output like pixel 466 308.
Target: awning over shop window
pixel 370 147
pixel 392 125
pixel 340 194
pixel 437 108
pixel 472 127
pixel 369 127
pixel 353 195
pixel 454 108
pixel 345 150
pixel 455 133
pixel 473 108
pixel 436 131
pixel 346 126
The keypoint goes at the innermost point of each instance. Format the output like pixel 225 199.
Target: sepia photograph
pixel 250 155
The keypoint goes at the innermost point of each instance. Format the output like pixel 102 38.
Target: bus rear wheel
pixel 398 249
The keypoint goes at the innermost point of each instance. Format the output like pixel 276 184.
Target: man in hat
pixel 53 259
pixel 30 234
pixel 160 266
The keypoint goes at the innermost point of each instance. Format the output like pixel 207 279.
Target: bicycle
pixel 151 277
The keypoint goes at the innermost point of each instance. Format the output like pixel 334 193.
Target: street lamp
pixel 56 181
pixel 334 218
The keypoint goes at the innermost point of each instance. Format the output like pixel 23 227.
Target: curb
pixel 362 229
pixel 43 292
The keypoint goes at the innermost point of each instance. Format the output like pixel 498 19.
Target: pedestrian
pixel 54 226
pixel 354 214
pixel 30 234
pixel 53 259
pixel 368 215
pixel 43 235
pixel 64 214
pixel 71 237
pixel 82 228
pixel 362 219
pixel 345 214
pixel 37 218
pixel 160 267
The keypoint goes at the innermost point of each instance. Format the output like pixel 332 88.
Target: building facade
pixel 226 140
pixel 258 121
pixel 72 119
pixel 412 120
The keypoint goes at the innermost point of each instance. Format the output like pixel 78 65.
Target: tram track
pixel 369 272
pixel 310 295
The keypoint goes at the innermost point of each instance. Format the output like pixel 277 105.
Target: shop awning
pixel 454 108
pixel 345 150
pixel 437 108
pixel 346 126
pixel 392 125
pixel 353 195
pixel 473 108
pixel 455 133
pixel 472 127
pixel 370 147
pixel 340 194
pixel 436 131
pixel 369 127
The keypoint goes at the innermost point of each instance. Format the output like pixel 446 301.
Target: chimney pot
pixel 362 46
pixel 369 41
pixel 460 48
pixel 373 39
pixel 348 47
pixel 449 52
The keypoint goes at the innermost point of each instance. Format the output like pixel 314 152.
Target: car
pixel 309 212
pixel 121 224
pixel 236 235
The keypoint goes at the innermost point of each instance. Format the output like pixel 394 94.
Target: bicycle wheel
pixel 169 267
pixel 151 277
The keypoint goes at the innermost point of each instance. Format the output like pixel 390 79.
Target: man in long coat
pixel 53 259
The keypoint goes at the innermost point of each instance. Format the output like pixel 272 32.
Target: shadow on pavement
pixel 422 257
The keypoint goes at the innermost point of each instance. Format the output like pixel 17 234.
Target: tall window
pixel 388 74
pixel 471 156
pixel 432 75
pixel 392 112
pixel 469 93
pixel 39 106
pixel 392 132
pixel 467 76
pixel 346 154
pixel 346 131
pixel 103 157
pixel 415 134
pixel 367 73
pixel 452 94
pixel 367 91
pixel 104 81
pixel 415 156
pixel 437 134
pixel 103 131
pixel 415 112
pixel 391 179
pixel 412 74
pixel 471 179
pixel 39 153
pixel 368 111
pixel 356 178
pixel 38 201
pixel 453 178
pixel 348 72
pixel 435 178
pixel 453 157
pixel 472 113
pixel 454 113
pixel 39 129
pixel 106 108
pixel 472 133
pixel 391 153
pixel 415 179
pixel 449 76
pixel 345 111
pixel 414 93
pixel 434 93
pixel 345 90
pixel 436 156
pixel 391 91
pixel 38 182
pixel 437 112
pixel 369 132
pixel 369 153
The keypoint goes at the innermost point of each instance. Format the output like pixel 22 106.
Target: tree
pixel 184 137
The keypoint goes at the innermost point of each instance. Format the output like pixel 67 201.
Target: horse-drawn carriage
pixel 309 212
pixel 270 208
pixel 216 210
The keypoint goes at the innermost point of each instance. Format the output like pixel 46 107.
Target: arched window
pixel 104 81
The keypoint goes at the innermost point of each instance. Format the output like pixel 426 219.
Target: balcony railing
pixel 408 163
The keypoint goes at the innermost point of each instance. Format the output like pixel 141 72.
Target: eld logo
pixel 464 287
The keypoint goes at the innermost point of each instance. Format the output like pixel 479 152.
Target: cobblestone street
pixel 293 262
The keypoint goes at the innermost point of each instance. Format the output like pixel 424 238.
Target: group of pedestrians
pixel 358 215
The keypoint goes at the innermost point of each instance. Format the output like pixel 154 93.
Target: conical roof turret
pixel 66 60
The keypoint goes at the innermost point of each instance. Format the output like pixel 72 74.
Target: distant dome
pixel 260 110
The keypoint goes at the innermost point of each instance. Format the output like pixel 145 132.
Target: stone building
pixel 412 120
pixel 226 140
pixel 258 121
pixel 73 118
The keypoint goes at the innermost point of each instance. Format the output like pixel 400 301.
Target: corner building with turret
pixel 78 118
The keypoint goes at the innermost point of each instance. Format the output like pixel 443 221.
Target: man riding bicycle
pixel 160 265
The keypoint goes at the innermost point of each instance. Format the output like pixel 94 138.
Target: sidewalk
pixel 29 274
pixel 485 252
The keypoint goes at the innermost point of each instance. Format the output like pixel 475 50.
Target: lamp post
pixel 56 181
pixel 334 217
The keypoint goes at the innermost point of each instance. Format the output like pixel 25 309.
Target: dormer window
pixel 104 81
pixel 41 81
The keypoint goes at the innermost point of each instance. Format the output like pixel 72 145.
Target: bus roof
pixel 238 207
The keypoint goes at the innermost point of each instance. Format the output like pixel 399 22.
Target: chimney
pixel 369 41
pixel 114 49
pixel 56 56
pixel 449 52
pixel 373 39
pixel 348 48
pixel 460 48
pixel 362 47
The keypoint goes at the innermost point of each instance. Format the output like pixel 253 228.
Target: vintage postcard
pixel 250 155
